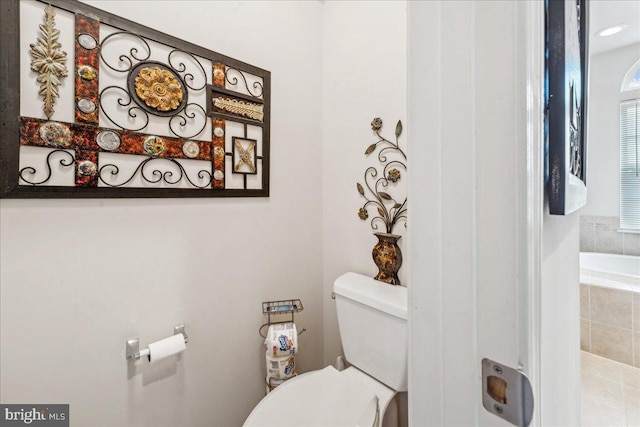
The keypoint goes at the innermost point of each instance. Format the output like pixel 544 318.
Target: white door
pixel 484 258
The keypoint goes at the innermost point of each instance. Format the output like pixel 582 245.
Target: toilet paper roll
pixel 282 339
pixel 280 367
pixel 273 383
pixel 164 348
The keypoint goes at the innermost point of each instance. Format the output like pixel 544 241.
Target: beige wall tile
pixel 584 301
pixel 585 333
pixel 612 342
pixel 636 345
pixel 611 306
pixel 630 377
pixel 630 243
pixel 610 222
pixel 636 311
pixel 597 366
pixel 607 239
pixel 587 237
pixel 632 403
pixel 588 219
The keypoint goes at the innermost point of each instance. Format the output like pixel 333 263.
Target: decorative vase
pixel 388 257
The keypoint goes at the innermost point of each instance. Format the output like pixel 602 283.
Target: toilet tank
pixel 372 317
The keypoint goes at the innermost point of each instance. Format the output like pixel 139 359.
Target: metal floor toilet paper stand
pixel 276 310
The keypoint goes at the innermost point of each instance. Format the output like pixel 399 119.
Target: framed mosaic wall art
pixel 567 56
pixel 94 105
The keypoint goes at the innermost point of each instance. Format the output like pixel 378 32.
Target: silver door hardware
pixel 506 393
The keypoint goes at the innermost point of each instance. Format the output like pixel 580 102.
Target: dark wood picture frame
pixel 566 69
pixel 10 114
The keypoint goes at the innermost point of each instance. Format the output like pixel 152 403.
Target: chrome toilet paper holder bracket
pixel 266 325
pixel 133 345
pixel 278 308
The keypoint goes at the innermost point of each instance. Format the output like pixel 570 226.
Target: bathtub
pixel 611 271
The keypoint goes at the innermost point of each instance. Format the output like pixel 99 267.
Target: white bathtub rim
pixel 598 278
pixel 615 280
pixel 611 263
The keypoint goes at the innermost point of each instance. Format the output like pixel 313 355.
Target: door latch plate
pixel 506 393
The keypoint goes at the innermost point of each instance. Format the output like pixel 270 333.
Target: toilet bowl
pixel 372 317
pixel 324 398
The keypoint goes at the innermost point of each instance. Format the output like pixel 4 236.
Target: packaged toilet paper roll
pixel 282 339
pixel 280 367
pixel 164 348
pixel 273 383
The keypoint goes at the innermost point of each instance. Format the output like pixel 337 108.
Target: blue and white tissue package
pixel 282 339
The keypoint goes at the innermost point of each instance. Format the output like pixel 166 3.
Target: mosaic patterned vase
pixel 388 257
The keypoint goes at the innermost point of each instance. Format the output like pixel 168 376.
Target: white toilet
pixel 373 326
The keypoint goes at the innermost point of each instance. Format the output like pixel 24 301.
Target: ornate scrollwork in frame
pixel 149 80
pixel 157 176
pixel 28 173
pixel 151 87
pixel 256 90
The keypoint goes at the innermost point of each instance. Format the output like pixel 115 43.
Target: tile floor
pixel 610 393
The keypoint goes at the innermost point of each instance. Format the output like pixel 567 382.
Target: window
pixel 631 80
pixel 630 165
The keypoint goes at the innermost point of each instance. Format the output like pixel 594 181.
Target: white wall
pixel 80 277
pixel 607 70
pixel 560 325
pixel 364 76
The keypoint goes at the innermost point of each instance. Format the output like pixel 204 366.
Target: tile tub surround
pixel 610 323
pixel 610 393
pixel 600 234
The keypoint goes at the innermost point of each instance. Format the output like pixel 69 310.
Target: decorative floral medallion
pixel 159 88
pixel 87 72
pixel 108 140
pixel 191 149
pixel 218 153
pixel 154 145
pixel 363 214
pixel 87 168
pixel 86 105
pixel 218 132
pixel 393 175
pixel 55 134
pixel 49 61
pixel 218 175
pixel 87 41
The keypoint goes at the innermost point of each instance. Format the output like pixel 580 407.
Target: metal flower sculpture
pixel 159 89
pixel 49 61
pixel 389 210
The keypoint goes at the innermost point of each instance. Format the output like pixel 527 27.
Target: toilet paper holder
pixel 279 308
pixel 133 345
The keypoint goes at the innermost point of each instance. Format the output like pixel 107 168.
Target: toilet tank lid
pixel 381 296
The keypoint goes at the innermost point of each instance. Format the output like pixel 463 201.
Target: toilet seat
pixel 320 398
